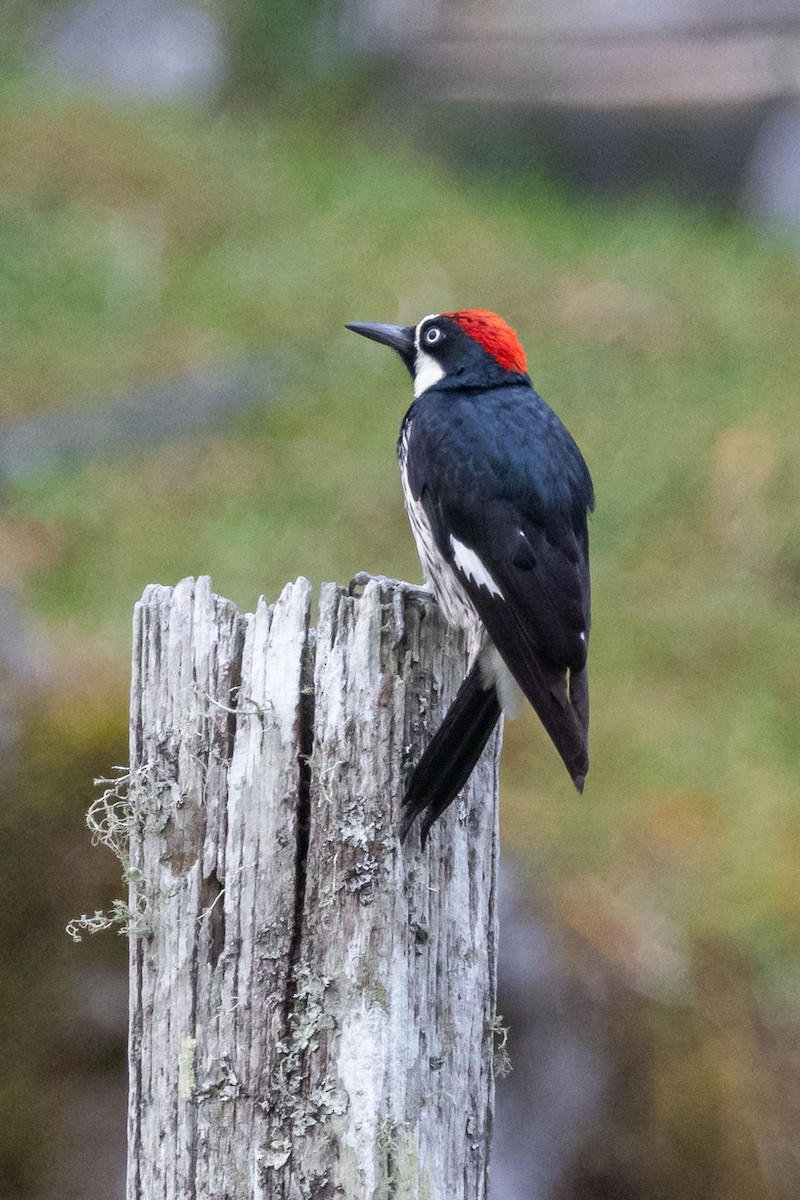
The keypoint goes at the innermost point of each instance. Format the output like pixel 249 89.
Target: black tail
pixel 454 750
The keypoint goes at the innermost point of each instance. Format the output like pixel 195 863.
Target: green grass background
pixel 138 245
pixel 141 243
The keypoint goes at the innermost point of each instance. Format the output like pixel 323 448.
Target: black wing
pixel 507 501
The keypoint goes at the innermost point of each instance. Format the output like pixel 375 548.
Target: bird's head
pixel 472 345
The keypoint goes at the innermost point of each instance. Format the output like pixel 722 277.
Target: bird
pixel 498 496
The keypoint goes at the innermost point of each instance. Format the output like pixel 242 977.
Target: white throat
pixel 427 371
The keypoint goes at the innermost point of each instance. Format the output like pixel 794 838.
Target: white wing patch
pixel 427 372
pixel 468 562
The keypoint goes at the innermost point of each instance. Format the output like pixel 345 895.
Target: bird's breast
pixel 453 600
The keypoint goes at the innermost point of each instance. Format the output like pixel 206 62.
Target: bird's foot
pixel 362 578
pixel 400 591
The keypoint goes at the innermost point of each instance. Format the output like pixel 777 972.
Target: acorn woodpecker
pixel 498 496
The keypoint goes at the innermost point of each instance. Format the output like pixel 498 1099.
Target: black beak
pixel 399 337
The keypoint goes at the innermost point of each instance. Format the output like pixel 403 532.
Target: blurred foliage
pixel 49 869
pixel 135 245
pixel 665 339
pixel 271 47
pixel 18 19
pixel 290 58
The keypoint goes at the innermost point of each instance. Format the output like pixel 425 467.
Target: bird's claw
pixel 360 580
pixel 400 591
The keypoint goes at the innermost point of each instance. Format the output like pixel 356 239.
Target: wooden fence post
pixel 312 1006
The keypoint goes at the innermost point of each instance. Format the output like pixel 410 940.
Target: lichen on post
pixel 312 1005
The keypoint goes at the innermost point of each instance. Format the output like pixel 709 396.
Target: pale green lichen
pixel 274 1155
pixel 187 1075
pixel 387 1148
pixel 368 980
pixel 112 815
pixel 328 1100
pixel 403 1176
pixel 501 1059
pixel 308 1015
pixel 413 1181
pixel 380 995
pixel 127 921
pixel 130 800
pixel 293 1110
pixel 362 876
pixel 219 1082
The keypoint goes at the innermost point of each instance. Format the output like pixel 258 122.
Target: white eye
pixel 432 336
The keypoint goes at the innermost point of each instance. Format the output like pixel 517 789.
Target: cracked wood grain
pixel 311 1004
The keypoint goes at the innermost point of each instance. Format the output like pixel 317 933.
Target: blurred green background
pixel 148 239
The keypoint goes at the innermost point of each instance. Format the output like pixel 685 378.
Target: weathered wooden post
pixel 312 1006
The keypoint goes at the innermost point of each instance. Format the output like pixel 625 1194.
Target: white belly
pixel 453 600
pixel 455 603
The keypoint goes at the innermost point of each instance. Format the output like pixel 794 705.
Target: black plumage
pixel 498 495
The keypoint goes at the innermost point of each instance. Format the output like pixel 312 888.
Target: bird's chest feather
pixel 453 600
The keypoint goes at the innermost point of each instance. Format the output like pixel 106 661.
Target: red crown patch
pixel 494 334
